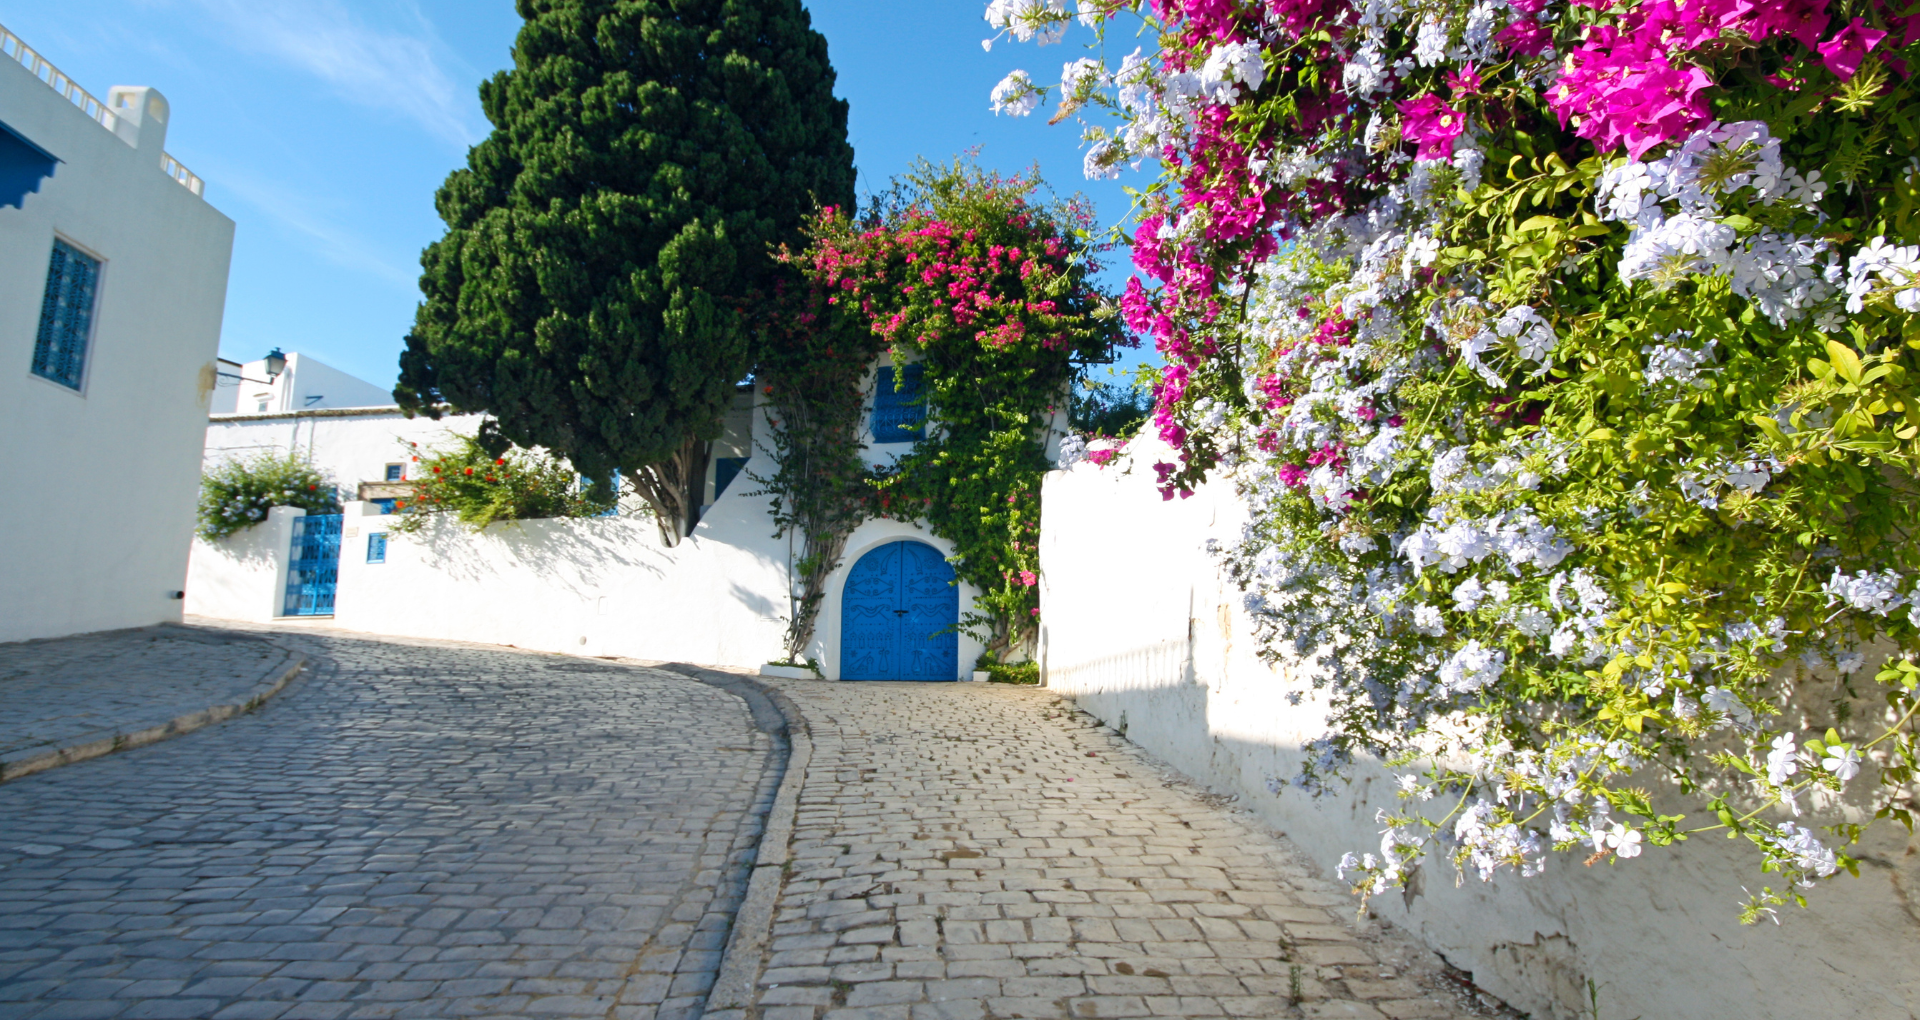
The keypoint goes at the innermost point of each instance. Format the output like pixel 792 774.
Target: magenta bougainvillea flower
pixel 1433 125
pixel 1464 82
pixel 1844 52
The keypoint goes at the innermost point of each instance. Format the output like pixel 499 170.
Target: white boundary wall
pixel 1142 629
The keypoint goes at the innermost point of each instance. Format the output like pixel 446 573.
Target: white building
pixel 113 279
pixel 292 382
pixel 601 586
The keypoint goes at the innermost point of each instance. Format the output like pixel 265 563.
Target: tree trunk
pixel 667 488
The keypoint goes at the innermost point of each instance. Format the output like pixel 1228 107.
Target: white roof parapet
pixel 15 48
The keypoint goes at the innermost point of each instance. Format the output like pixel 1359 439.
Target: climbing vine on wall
pixel 987 287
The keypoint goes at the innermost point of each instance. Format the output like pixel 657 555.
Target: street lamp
pixel 275 363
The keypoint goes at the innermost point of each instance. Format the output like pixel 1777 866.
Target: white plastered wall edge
pixel 869 536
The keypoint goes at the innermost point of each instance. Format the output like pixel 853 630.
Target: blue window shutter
pixel 394 471
pixel 900 415
pixel 66 316
pixel 377 547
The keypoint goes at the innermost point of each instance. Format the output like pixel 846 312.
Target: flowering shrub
pixel 1562 352
pixel 237 494
pixel 479 489
pixel 990 290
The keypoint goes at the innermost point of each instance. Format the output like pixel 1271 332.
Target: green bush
pixel 479 489
pixel 238 493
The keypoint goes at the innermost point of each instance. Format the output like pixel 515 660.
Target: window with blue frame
pixel 900 407
pixel 395 471
pixel 66 316
pixel 377 547
pixel 387 506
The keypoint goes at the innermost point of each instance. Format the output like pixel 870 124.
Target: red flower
pixel 501 460
pixel 469 471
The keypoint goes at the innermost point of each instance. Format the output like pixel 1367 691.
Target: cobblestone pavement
pixel 963 851
pixel 68 691
pixel 411 830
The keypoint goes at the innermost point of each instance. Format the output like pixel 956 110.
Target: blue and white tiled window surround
pixel 66 316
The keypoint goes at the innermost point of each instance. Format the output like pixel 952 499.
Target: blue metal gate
pixel 898 615
pixel 313 569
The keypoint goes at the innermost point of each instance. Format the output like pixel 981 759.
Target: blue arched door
pixel 897 616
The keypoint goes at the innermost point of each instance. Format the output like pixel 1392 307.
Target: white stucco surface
pixel 351 445
pixel 243 576
pixel 1141 629
pixel 305 383
pixel 101 483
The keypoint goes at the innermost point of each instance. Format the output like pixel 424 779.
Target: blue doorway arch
pixel 898 615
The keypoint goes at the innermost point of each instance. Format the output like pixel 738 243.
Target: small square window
pixel 386 506
pixel 377 547
pixel 395 471
pixel 66 316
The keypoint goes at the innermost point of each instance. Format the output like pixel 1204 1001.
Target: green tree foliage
pixel 237 494
pixel 1115 407
pixel 605 242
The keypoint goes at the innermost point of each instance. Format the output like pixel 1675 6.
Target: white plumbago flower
pixel 1533 622
pixel 1848 663
pixel 1781 762
pixel 1432 48
pixel 1030 20
pixel 1669 364
pixel 1843 760
pixel 1808 853
pixel 1624 841
pixel 1468 595
pixel 1079 78
pixel 1230 63
pixel 1102 161
pixel 1016 95
pixel 1729 705
pixel 1473 667
pixel 1868 592
pixel 1427 620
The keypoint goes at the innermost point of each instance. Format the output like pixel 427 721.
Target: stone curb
pixel 731 997
pixel 106 742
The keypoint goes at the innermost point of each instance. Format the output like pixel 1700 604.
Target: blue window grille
pixel 387 506
pixel 900 409
pixel 377 547
pixel 66 316
pixel 725 470
pixel 394 472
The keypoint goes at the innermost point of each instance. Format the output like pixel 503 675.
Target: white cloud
pixel 397 71
pixel 303 215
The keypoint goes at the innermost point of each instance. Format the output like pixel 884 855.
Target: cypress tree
pixel 606 242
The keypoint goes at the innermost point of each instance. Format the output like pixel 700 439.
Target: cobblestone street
pixel 964 851
pixel 409 830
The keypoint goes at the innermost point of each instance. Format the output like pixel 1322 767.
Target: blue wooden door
pixel 897 616
pixel 313 569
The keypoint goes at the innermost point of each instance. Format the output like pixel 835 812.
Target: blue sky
pixel 322 127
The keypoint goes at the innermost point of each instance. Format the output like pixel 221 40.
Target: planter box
pixel 980 676
pixel 789 672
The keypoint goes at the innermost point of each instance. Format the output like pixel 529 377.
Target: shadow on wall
pixel 1643 931
pixel 1143 631
pixel 570 554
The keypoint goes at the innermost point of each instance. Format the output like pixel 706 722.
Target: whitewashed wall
pixel 1141 629
pixel 599 586
pixel 351 445
pixel 243 576
pixel 101 483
